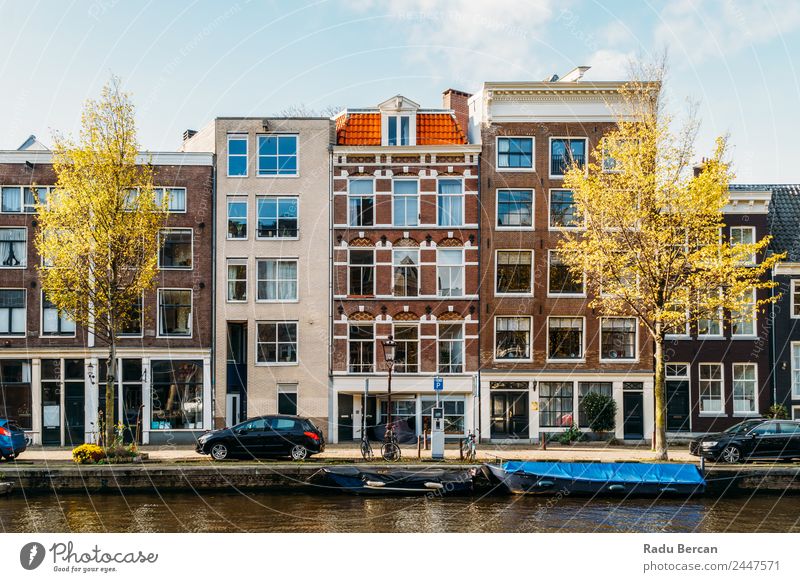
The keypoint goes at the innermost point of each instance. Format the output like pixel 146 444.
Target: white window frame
pixel 24 308
pixel 277 198
pixel 586 154
pixel 461 265
pixel 687 332
pixel 356 195
pixel 582 357
pixel 258 280
pixel 686 376
pixel 460 196
pixel 530 338
pixel 24 259
pixel 754 320
pixel 42 332
pixel 795 283
pixel 556 294
pixel 161 191
pixel 161 333
pixel 24 208
pixel 236 262
pixel 795 370
pixel 497 291
pixel 463 342
pixel 296 343
pixel 395 196
pixel 499 168
pixel 752 229
pixel 141 325
pixel 550 225
pixel 795 412
pixel 635 357
pixel 237 136
pixel 280 136
pixel 165 231
pixel 415 325
pixel 287 388
pixel 395 265
pixel 412 133
pixel 755 389
pixel 374 270
pixel 237 199
pixel 497 209
pixel 721 368
pixel 371 364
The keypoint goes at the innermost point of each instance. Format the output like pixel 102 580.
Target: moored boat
pixel 433 482
pixel 592 478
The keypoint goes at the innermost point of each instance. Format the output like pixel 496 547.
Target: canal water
pixel 301 512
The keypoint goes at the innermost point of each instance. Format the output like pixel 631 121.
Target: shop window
pixel 177 395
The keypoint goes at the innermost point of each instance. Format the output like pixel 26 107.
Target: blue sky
pixel 187 62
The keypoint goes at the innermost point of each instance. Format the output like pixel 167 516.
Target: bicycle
pixel 390 450
pixel 469 448
pixel 366 449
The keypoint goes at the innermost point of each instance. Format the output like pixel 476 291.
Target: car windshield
pixel 742 427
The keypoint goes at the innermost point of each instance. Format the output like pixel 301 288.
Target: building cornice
pixel 748 202
pixel 155 158
pixel 399 150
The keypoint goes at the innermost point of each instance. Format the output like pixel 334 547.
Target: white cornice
pixel 156 158
pixel 748 202
pixel 399 150
pixel 787 268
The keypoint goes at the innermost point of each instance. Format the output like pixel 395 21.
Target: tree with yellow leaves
pixel 98 231
pixel 651 245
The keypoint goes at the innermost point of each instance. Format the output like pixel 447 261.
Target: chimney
pixel 457 101
pixel 189 134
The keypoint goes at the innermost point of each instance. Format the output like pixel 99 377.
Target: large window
pixel 22 199
pixel 54 320
pixel 237 218
pixel 361 347
pixel 133 326
pixel 514 208
pixel 175 198
pixel 563 210
pixel 13 248
pixel 795 298
pixel 515 153
pixel 361 202
pixel 15 392
pixel 451 348
pixel 175 312
pixel 514 272
pixel 450 272
pixel 405 264
pixel 710 326
pixel 512 338
pixel 743 322
pixel 710 388
pixel 177 401
pixel 277 155
pixel 560 278
pixel 453 414
pixel 450 203
pixel 276 280
pixel 287 399
pixel 406 359
pixel 555 404
pixel 565 338
pixel 237 280
pixel 277 217
pixel 744 235
pixel 176 249
pixel 796 371
pixel 237 155
pixel 405 202
pixel 566 152
pixel 744 388
pixel 12 312
pixel 618 338
pixel 277 342
pixel 399 130
pixel 584 389
pixel 361 276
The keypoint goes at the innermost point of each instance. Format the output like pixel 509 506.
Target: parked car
pixel 12 439
pixel 756 438
pixel 276 435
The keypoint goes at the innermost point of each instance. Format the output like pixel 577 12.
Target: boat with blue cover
pixel 594 478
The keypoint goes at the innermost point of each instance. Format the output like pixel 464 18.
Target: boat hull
pixel 434 483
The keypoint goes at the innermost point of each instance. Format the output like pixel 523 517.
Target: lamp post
pixel 389 346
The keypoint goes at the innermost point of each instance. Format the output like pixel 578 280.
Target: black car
pixel 276 435
pixel 756 438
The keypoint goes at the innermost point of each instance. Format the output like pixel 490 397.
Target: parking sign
pixel 438 384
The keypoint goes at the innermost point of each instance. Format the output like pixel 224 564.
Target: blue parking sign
pixel 438 384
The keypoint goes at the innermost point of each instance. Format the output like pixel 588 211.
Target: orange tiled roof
pixel 364 129
pixel 438 129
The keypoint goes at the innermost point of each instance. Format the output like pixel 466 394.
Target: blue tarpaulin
pixel 659 473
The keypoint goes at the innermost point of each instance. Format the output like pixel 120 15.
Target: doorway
pixel 233 411
pixel 345 420
pixel 509 415
pixel 633 413
pixel 677 393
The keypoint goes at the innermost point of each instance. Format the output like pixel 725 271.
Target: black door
pixel 74 414
pixel 509 415
pixel 677 393
pixel 633 413
pixel 345 421
pixel 51 413
pixel 236 370
pixel 371 411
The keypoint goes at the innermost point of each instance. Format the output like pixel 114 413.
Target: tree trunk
pixel 111 379
pixel 659 393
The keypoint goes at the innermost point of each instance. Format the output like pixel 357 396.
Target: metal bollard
pixel 419 446
pixel 542 441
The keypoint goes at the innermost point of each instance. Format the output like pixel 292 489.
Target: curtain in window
pixel 450 203
pixel 12 247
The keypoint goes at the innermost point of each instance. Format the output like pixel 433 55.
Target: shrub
pixel 85 454
pixel 778 411
pixel 570 435
pixel 601 411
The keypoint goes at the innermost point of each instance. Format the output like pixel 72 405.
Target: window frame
pixel 277 198
pixel 237 262
pixel 635 357
pixel 585 141
pixel 561 399
pixel 368 368
pixel 752 229
pixel 237 199
pixel 160 191
pixel 23 264
pixel 497 226
pixel 461 265
pixel 361 268
pixel 555 228
pixel 462 341
pixel 24 332
pixel 279 136
pixel 556 294
pixel 499 168
pixel 276 323
pixel 160 331
pixel 396 197
pixel 126 335
pixel 287 388
pixel 460 196
pixel 795 370
pixel 246 154
pixel 754 366
pixel 529 344
pixel 277 280
pixel 582 357
pixel 497 290
pixel 170 230
pixel 396 266
pixel 753 320
pixel 719 366
pixel 351 195
pixel 417 341
pixel 59 333
pixel 794 287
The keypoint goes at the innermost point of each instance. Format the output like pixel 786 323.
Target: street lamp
pixel 389 346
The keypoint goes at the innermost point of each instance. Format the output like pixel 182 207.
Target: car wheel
pixel 731 454
pixel 299 453
pixel 219 451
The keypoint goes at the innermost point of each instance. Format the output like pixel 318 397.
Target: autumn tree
pixel 650 230
pixel 98 231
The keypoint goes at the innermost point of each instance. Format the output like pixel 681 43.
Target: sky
pixel 185 63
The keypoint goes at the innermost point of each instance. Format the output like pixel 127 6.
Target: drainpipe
pixel 212 347
pixel 332 433
pixel 773 358
pixel 477 389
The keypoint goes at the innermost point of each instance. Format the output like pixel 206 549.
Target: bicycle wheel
pixel 390 451
pixel 366 451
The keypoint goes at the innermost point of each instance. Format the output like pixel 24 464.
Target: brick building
pixel 405 263
pixel 50 368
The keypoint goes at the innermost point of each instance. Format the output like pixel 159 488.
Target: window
pixel 450 203
pixel 796 370
pixel 12 312
pixel 514 272
pixel 176 249
pixel 406 355
pixel 237 155
pixel 512 338
pixel 707 327
pixel 405 263
pixel 11 199
pixel 360 347
pixel 276 280
pixel 618 338
pixel 276 342
pixel 178 401
pixel 743 323
pixel 22 199
pixel 563 210
pixel 555 404
pixel 795 298
pixel 451 348
pixel 287 399
pixel 237 218
pixel 566 152
pixel 710 388
pixel 565 338
pixel 514 208
pixel 405 203
pixel 54 320
pixel 744 388
pixel 176 198
pixel 237 280
pixel 277 217
pixel 13 248
pixel 450 272
pixel 584 389
pixel 361 272
pixel 361 203
pixel 744 235
pixel 175 312
pixel 515 153
pixel 678 323
pixel 16 397
pixel 399 133
pixel 560 278
pixel 277 155
pixel 133 327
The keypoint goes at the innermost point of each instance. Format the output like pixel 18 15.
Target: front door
pixel 677 393
pixel 345 420
pixel 632 410
pixel 509 415
pixel 232 410
pixel 74 414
